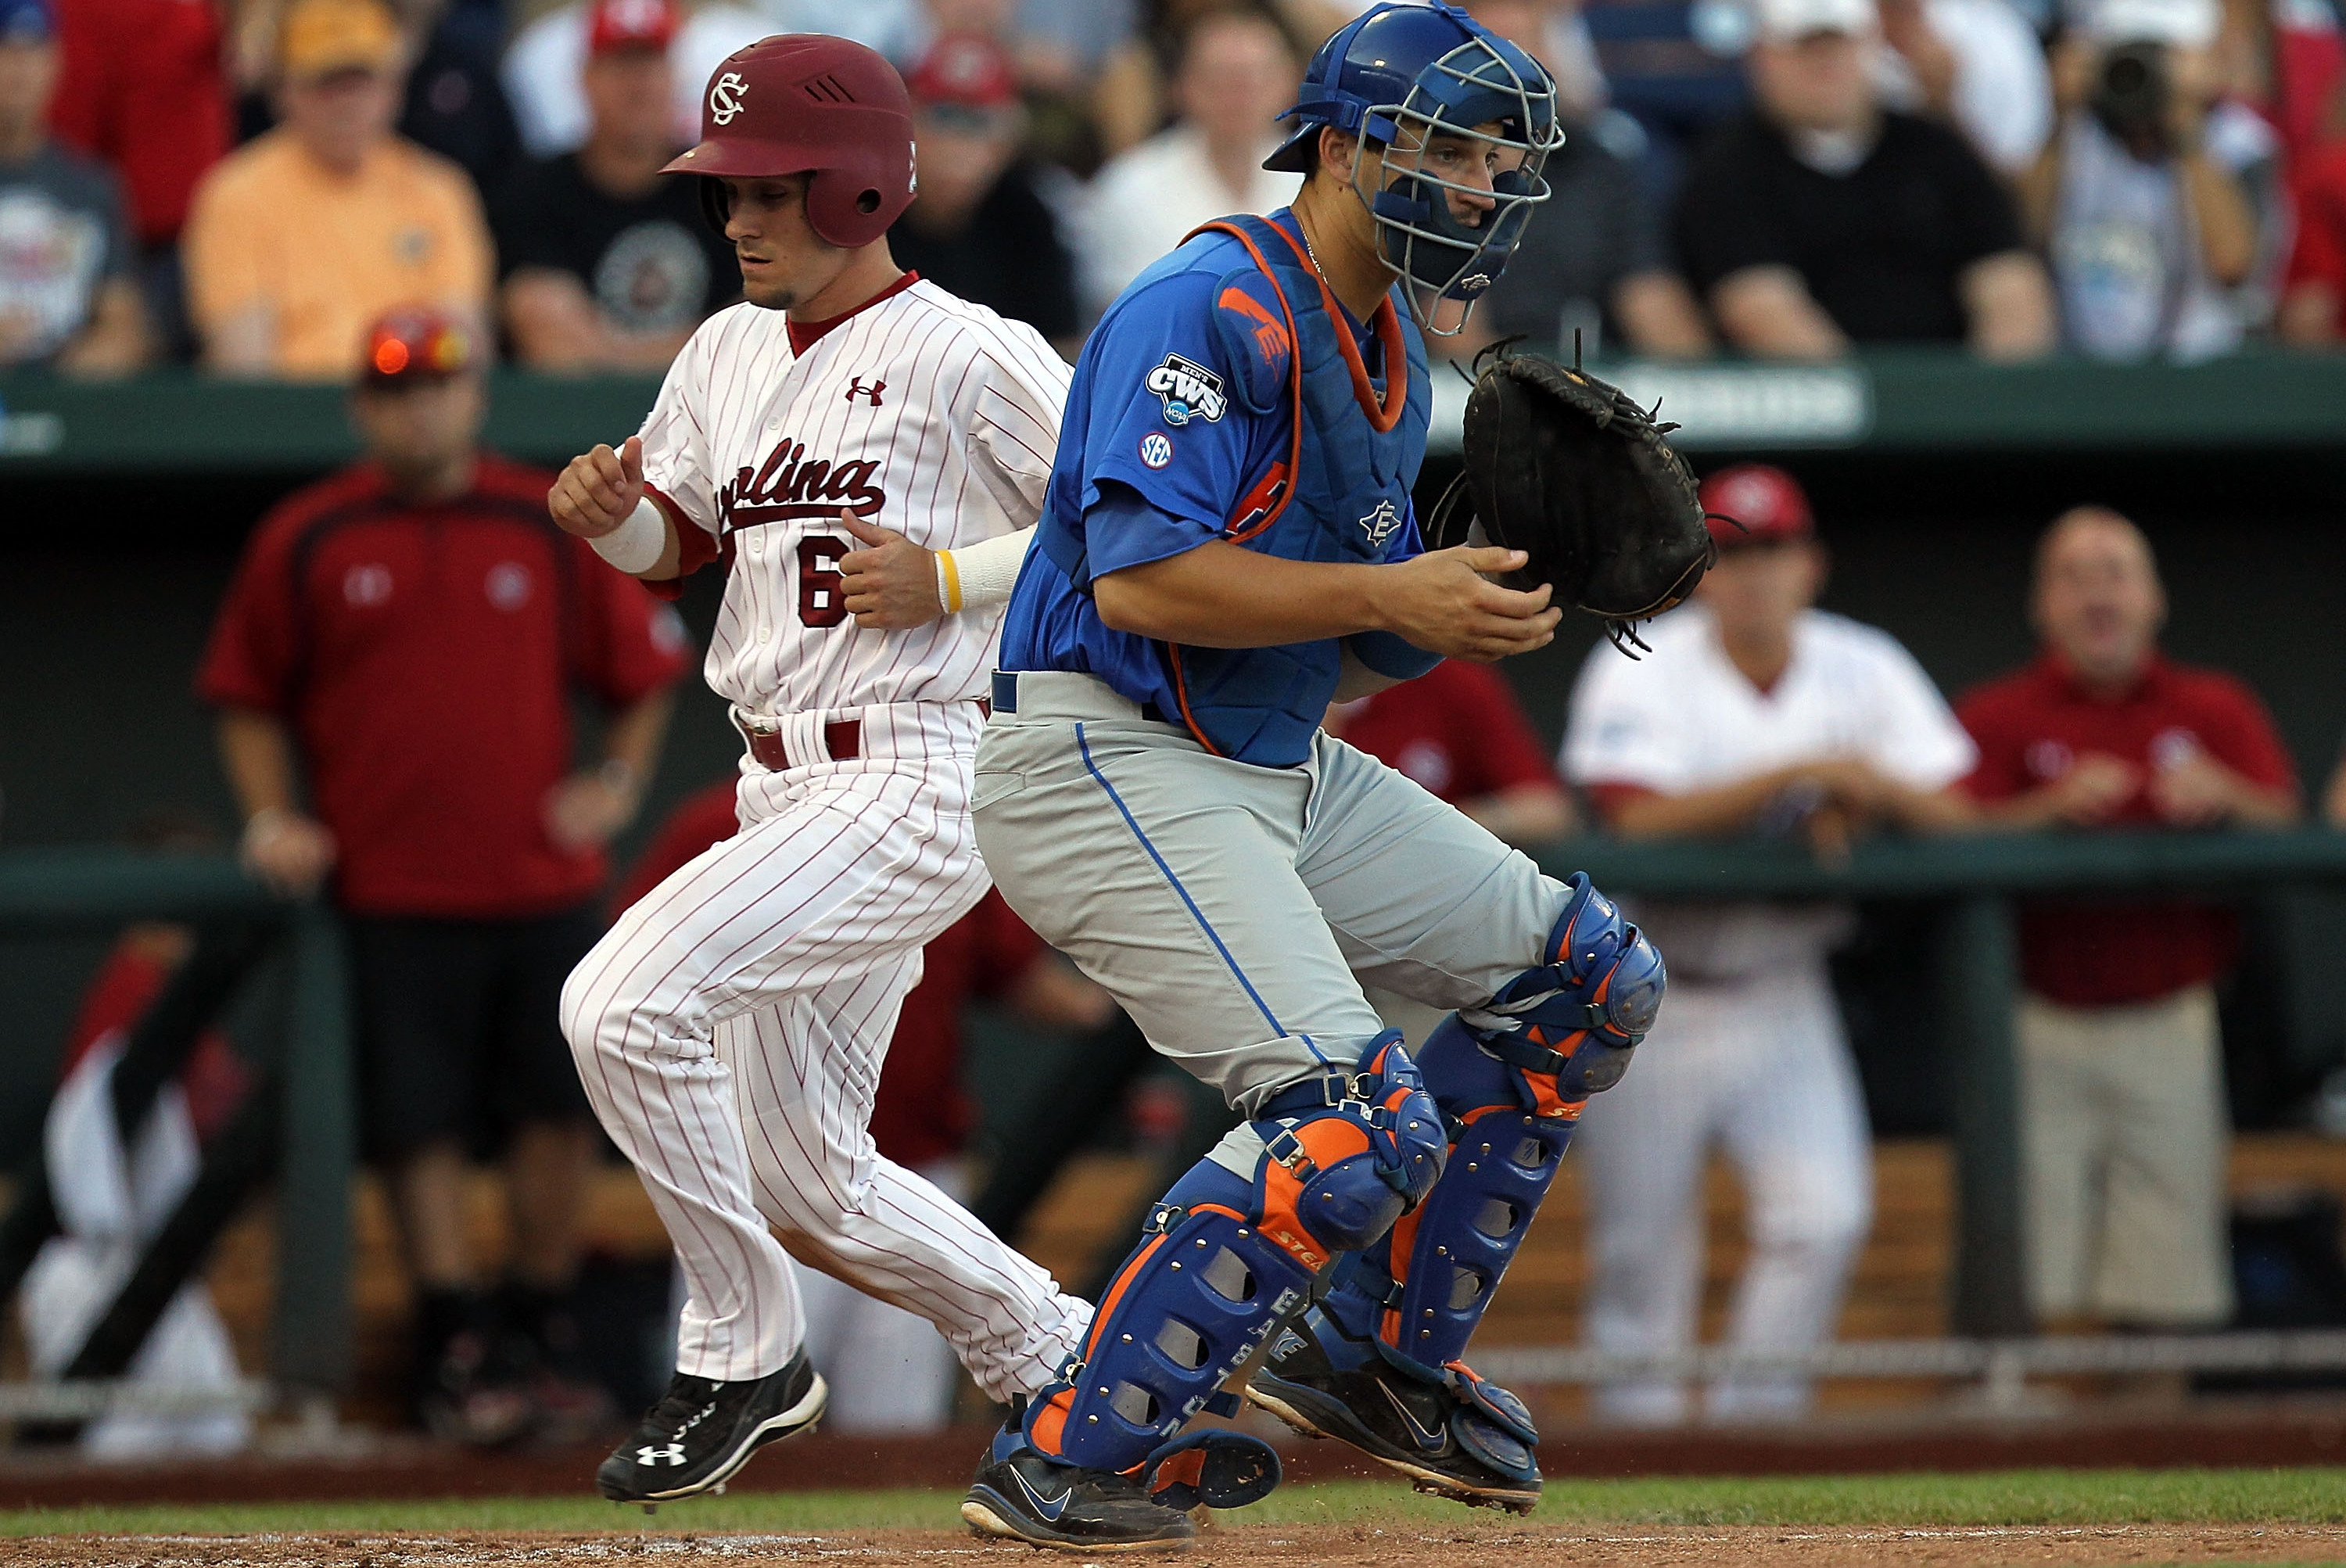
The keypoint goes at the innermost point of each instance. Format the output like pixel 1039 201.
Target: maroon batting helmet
pixel 806 103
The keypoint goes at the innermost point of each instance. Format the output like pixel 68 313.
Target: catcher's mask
pixel 1400 79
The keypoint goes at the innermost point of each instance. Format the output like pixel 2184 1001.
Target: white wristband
pixel 979 575
pixel 636 546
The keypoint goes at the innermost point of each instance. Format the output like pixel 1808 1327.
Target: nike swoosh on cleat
pixel 1049 1508
pixel 1426 1440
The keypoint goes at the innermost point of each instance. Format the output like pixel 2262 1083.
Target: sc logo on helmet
pixel 725 97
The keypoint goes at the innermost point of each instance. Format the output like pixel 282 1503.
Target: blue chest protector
pixel 1340 493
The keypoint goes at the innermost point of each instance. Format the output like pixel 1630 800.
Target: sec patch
pixel 1155 449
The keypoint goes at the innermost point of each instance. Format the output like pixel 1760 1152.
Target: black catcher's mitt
pixel 1566 468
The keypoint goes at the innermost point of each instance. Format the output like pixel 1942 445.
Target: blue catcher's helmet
pixel 1399 75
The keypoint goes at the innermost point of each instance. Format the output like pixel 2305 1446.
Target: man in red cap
pixel 980 227
pixel 393 670
pixel 606 265
pixel 1756 714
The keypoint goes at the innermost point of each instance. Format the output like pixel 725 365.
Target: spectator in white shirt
pixel 1976 64
pixel 1236 75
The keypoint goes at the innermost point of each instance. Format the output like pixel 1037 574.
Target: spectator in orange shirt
pixel 310 231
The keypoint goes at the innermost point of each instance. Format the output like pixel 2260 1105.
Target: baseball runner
pixel 1229 545
pixel 729 1027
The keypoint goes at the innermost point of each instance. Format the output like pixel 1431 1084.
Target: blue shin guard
pixel 1510 1080
pixel 1225 1258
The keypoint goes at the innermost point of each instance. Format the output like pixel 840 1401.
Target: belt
pixel 842 741
pixel 1005 697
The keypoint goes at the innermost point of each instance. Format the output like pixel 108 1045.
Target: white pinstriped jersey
pixel 921 413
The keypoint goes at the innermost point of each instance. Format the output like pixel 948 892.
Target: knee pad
pixel 1569 1024
pixel 1224 1259
pixel 1348 1154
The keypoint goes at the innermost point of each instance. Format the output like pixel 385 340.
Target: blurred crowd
pixel 244 184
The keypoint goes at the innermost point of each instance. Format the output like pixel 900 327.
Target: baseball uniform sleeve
pixel 1164 425
pixel 1624 729
pixel 1014 426
pixel 1916 738
pixel 249 660
pixel 676 445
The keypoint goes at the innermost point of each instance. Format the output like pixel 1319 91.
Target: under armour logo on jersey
pixel 856 389
pixel 725 96
pixel 1189 391
pixel 1380 524
pixel 672 1454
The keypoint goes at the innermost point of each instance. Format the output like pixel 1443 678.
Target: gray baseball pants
pixel 1237 911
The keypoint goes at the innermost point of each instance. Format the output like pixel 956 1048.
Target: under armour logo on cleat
pixel 1050 1507
pixel 856 389
pixel 672 1454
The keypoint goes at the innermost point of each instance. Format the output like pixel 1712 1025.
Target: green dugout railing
pixel 1912 400
pixel 63 892
pixel 1975 880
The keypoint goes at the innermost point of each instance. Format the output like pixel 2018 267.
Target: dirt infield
pixel 2248 1432
pixel 1254 1546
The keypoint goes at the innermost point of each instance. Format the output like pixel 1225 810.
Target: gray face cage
pixel 1443 256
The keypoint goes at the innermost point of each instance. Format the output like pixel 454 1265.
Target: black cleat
pixel 703 1431
pixel 1462 1439
pixel 1020 1495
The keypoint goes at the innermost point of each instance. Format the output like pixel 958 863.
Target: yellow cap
pixel 321 36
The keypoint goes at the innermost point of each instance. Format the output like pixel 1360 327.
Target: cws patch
pixel 1188 390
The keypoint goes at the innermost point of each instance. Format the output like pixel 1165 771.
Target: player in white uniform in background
pixel 1754 713
pixel 729 1027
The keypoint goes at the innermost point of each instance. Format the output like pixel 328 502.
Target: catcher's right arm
pixel 1566 468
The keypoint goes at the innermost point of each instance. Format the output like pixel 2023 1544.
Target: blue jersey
pixel 1180 428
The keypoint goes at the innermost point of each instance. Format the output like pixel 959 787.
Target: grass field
pixel 1915 1502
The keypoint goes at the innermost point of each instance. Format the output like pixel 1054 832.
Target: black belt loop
pixel 1005 691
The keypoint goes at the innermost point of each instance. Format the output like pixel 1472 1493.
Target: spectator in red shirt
pixel 402 639
pixel 2313 299
pixel 144 88
pixel 2122 1097
pixel 1458 732
pixel 889 1371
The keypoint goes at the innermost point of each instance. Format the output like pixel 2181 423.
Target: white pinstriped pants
pixel 729 1030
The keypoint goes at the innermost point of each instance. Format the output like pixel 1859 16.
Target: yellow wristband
pixel 948 575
